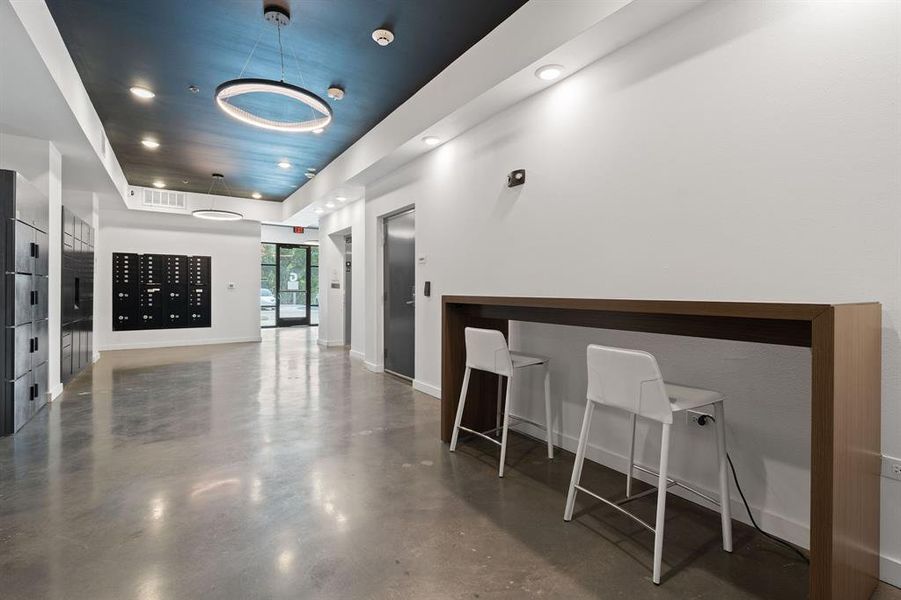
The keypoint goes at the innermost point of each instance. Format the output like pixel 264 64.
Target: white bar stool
pixel 630 380
pixel 486 350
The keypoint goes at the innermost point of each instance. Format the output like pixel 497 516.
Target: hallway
pixel 286 470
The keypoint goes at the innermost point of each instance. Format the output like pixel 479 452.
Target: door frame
pixel 383 243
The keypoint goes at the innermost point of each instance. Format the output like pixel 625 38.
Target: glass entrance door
pixel 293 296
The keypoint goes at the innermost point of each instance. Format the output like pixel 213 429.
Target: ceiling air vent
pixel 163 199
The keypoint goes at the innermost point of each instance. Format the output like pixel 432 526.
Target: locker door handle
pixel 33 295
pixel 36 391
pixel 31 345
pixel 31 392
pixel 32 249
pixel 35 344
pixel 35 250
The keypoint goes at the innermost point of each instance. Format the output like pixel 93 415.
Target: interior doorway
pixel 400 293
pixel 289 285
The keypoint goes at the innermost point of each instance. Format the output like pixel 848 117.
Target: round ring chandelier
pixel 239 87
pixel 214 214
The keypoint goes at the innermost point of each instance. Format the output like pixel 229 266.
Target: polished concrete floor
pixel 284 470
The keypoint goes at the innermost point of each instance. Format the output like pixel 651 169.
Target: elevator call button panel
pixel 160 291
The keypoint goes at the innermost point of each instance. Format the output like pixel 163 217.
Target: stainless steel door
pixel 400 294
pixel 42 253
pixel 23 400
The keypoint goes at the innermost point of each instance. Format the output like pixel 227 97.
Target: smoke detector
pixel 335 93
pixel 277 12
pixel 383 37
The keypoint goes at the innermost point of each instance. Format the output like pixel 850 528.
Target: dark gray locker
pixel 39 331
pixel 41 253
pixel 23 400
pixel 24 349
pixel 39 382
pixel 24 248
pixel 23 309
pixel 41 297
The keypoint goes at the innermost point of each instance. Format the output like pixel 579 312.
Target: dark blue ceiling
pixel 169 45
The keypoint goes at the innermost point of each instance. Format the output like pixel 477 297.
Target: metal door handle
pixel 409 302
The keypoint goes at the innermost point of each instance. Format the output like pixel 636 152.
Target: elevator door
pixel 400 293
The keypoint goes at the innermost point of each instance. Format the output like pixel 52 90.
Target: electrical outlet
pixel 891 467
pixel 693 417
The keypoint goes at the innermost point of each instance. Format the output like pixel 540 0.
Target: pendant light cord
pixel 252 50
pixel 281 54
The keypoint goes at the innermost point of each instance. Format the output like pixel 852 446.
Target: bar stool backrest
pixel 629 380
pixel 486 350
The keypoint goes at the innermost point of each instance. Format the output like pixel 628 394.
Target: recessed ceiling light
pixel 341 199
pixel 431 140
pixel 152 144
pixel 336 93
pixel 193 89
pixel 309 175
pixel 311 169
pixel 256 195
pixel 383 37
pixel 330 205
pixel 549 72
pixel 159 184
pixel 318 211
pixel 142 92
pixel 284 164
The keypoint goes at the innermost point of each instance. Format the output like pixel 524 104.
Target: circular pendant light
pixel 214 214
pixel 217 214
pixel 278 13
pixel 239 87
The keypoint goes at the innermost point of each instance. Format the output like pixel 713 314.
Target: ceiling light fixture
pixel 318 211
pixel 549 72
pixel 149 143
pixel 284 164
pixel 141 92
pixel 341 199
pixel 383 37
pixel 256 195
pixel 309 175
pixel 216 214
pixel 159 184
pixel 330 205
pixel 431 140
pixel 274 13
pixel 336 93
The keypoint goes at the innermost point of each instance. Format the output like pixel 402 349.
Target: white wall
pixel 235 251
pixel 284 234
pixel 333 228
pixel 746 151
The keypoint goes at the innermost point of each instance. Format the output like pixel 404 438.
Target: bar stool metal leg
pixel 500 403
pixel 500 470
pixel 580 458
pixel 631 455
pixel 460 405
pixel 661 502
pixel 725 508
pixel 547 409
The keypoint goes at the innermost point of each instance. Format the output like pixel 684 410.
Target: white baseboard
pixel 375 368
pixel 890 570
pixel 177 343
pixel 56 391
pixel 778 525
pixel 427 388
pixel 329 343
pixel 357 355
